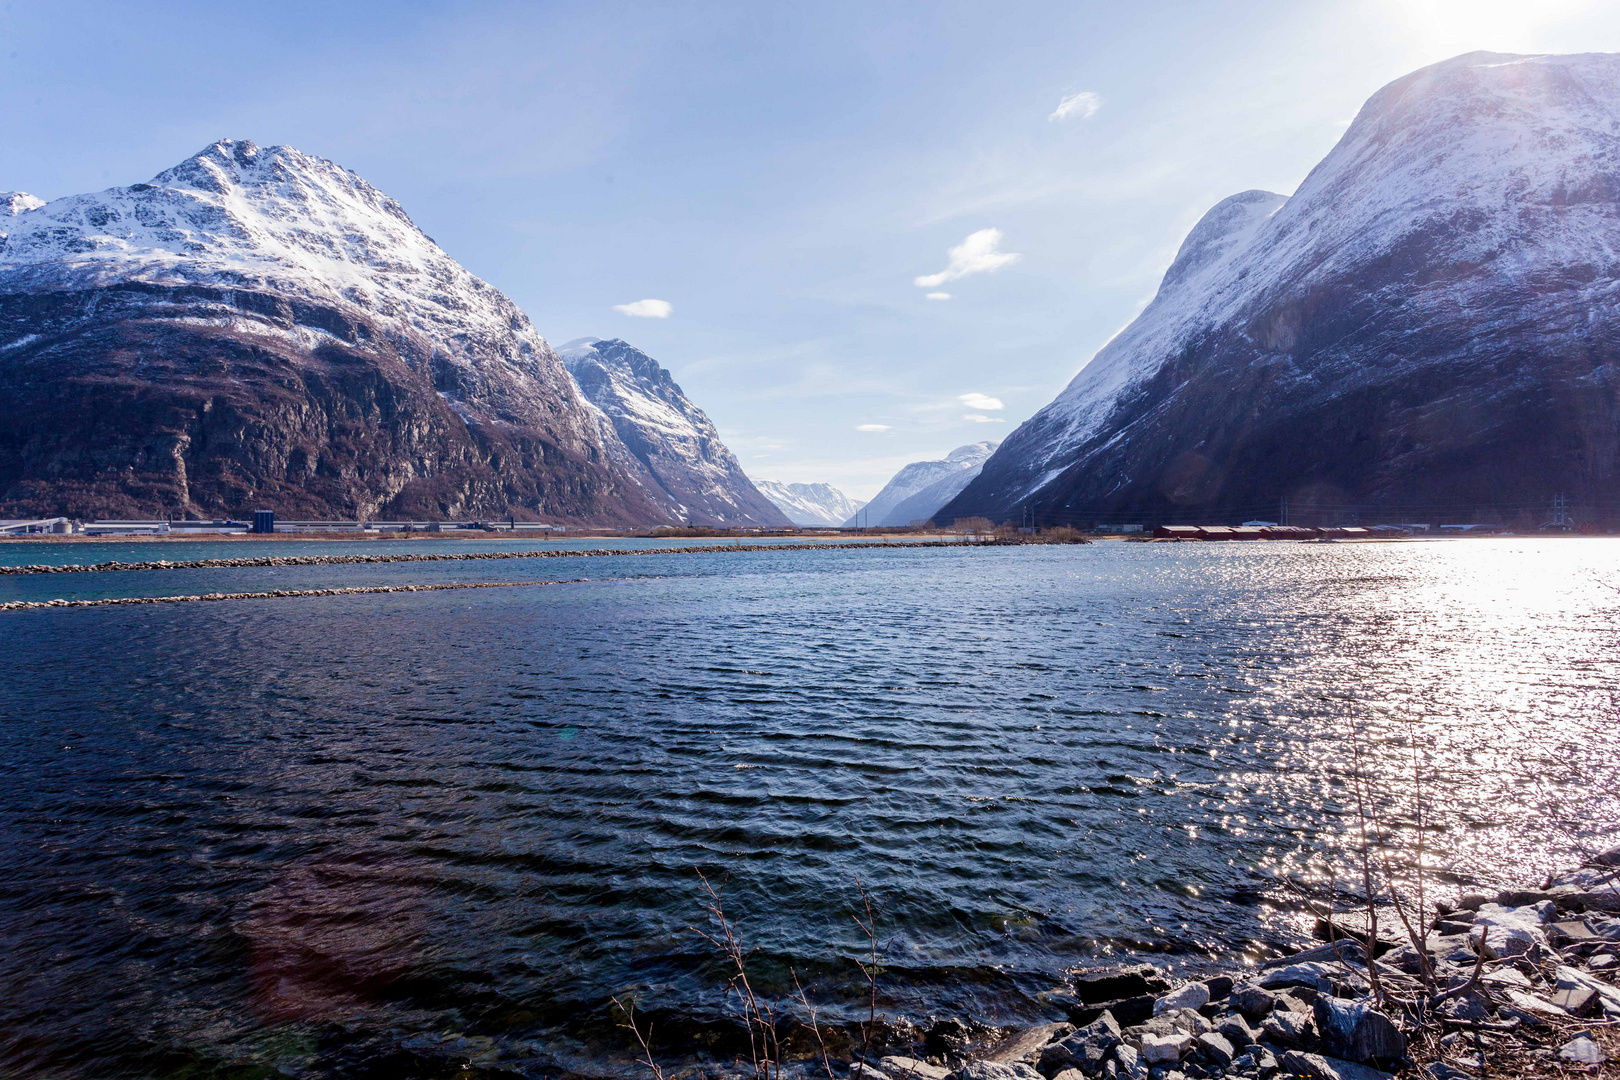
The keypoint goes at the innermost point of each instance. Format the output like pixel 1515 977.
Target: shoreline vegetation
pixel 1520 983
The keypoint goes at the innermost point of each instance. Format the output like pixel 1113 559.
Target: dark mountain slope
pixel 1428 326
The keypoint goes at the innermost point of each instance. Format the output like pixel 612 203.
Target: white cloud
pixel 975 255
pixel 977 400
pixel 1083 105
pixel 980 418
pixel 646 309
pixel 871 427
pixel 939 296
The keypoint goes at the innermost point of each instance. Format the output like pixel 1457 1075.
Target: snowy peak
pixel 922 487
pixel 812 505
pixel 974 453
pixel 15 202
pixel 1225 228
pixel 655 431
pixel 242 248
pixel 278 220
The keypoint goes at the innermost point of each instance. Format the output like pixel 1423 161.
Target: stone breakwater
pixel 276 594
pixel 1519 984
pixel 469 556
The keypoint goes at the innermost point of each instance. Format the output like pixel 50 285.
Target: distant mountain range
pixel 653 432
pixel 813 505
pixel 1429 326
pixel 918 490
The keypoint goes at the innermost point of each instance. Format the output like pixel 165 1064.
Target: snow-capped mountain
pixel 1429 322
pixel 820 506
pixel 260 327
pixel 657 434
pixel 921 488
pixel 15 202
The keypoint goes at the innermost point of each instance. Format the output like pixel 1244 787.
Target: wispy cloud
pixel 646 309
pixel 939 296
pixel 1082 106
pixel 975 255
pixel 871 427
pixel 980 418
pixel 977 400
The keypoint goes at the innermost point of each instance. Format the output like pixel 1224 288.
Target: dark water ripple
pixel 241 835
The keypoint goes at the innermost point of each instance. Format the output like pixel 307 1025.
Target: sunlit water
pixel 397 832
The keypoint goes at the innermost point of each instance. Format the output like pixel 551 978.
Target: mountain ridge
pixel 919 489
pixel 1427 322
pixel 820 506
pixel 262 327
pixel 657 434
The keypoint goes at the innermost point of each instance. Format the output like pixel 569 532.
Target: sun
pixel 1449 27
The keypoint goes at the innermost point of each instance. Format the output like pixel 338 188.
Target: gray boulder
pixel 1215 1050
pixel 1291 1029
pixel 1184 1021
pixel 1582 1051
pixel 1191 996
pixel 1086 1049
pixel 910 1068
pixel 1236 1030
pixel 1253 1002
pixel 1317 1067
pixel 1130 1063
pixel 1165 1049
pixel 1026 1045
pixel 996 1070
pixel 1356 1031
pixel 1134 981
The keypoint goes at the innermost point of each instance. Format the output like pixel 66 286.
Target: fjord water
pixel 308 834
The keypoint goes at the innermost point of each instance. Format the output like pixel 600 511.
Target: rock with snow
pixel 918 490
pixel 657 434
pixel 259 327
pixel 1432 319
pixel 818 506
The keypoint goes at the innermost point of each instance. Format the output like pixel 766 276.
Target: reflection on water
pixel 312 833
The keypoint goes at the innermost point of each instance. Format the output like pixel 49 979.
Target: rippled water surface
pixel 320 835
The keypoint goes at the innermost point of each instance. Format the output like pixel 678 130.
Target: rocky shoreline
pixel 1519 984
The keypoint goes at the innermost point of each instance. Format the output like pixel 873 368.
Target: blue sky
pixel 779 175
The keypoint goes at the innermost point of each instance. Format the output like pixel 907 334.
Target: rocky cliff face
pixel 262 328
pixel 1426 327
pixel 658 435
pixel 820 506
pixel 917 491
